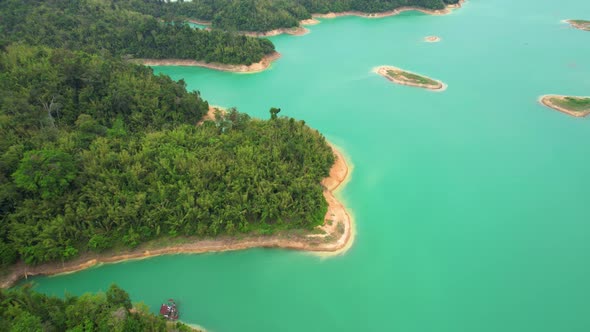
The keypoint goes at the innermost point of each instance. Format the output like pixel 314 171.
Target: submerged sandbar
pixel 405 77
pixel 574 106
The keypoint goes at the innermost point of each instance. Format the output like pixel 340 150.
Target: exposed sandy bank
pixel 445 11
pixel 383 71
pixel 253 68
pixel 432 39
pixel 338 226
pixel 296 31
pixel 309 21
pixel 546 100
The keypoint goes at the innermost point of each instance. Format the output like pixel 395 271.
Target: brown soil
pixel 338 228
pixel 253 68
pixel 546 100
pixel 210 116
pixel 383 71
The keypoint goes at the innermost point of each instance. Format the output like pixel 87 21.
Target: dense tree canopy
pixel 114 26
pixel 96 153
pixel 24 310
pixel 265 15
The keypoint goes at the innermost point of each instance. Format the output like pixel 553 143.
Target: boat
pixel 169 310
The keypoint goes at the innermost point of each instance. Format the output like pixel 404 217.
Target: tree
pixel 273 112
pixel 117 297
pixel 45 172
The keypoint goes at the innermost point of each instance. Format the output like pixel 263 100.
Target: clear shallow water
pixel 471 205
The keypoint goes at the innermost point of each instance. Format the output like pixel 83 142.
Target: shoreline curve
pixel 382 71
pixel 301 30
pixel 336 241
pixel 256 67
pixel 545 100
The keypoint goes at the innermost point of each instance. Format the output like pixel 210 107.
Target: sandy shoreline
pixel 253 68
pixel 382 70
pixel 546 100
pixel 295 31
pixel 338 226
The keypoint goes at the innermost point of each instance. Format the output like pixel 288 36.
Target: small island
pixel 432 39
pixel 579 24
pixel 574 106
pixel 405 77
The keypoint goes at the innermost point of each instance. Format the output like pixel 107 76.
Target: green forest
pixel 97 153
pixel 113 26
pixel 24 310
pixel 265 15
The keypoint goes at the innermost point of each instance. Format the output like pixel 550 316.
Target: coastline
pixel 447 10
pixel 382 70
pixel 301 30
pixel 338 238
pixel 546 101
pixel 256 67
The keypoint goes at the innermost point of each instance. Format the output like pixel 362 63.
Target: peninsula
pixel 405 77
pixel 259 66
pixel 579 24
pixel 180 184
pixel 574 106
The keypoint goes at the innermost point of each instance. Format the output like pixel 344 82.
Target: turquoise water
pixel 471 205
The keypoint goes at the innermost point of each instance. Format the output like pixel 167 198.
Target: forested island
pixel 580 24
pixel 23 309
pixel 273 15
pixel 574 106
pixel 115 27
pixel 405 77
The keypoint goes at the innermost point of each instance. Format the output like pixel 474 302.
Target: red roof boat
pixel 169 310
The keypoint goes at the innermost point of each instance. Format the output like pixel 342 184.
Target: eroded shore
pixel 334 237
pixel 253 68
pixel 384 71
pixel 547 101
